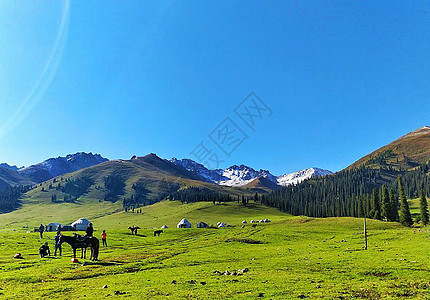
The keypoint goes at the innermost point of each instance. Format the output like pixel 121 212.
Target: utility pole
pixel 365 234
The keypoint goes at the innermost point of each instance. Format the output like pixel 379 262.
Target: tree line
pixel 362 192
pixel 10 197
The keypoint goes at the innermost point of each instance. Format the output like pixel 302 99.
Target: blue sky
pixel 116 78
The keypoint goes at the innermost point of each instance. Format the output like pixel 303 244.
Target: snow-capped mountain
pixel 53 167
pixel 299 176
pixel 242 175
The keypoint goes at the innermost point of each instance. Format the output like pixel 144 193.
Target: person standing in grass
pixel 57 243
pixel 41 229
pixel 104 238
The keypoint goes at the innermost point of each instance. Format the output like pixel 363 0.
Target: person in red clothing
pixel 104 238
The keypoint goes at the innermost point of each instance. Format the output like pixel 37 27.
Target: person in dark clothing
pixel 57 243
pixel 90 230
pixel 41 229
pixel 104 238
pixel 44 250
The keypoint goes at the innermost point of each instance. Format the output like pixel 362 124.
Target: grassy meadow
pixel 289 258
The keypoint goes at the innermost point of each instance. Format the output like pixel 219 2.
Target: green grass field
pixel 289 258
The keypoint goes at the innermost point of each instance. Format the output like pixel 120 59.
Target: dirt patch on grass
pixel 244 241
pixel 377 273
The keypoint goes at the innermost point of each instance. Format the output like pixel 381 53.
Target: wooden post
pixel 365 235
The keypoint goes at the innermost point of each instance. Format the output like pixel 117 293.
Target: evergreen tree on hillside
pixel 405 215
pixel 424 208
pixel 375 212
pixel 393 215
pixel 385 202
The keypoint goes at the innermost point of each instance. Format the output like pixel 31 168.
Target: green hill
pixel 405 153
pixel 106 188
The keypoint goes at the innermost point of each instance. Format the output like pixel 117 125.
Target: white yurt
pixel 184 223
pixel 252 221
pixel 261 221
pixel 81 224
pixel 221 224
pixel 53 226
pixel 244 222
pixel 266 220
pixel 164 227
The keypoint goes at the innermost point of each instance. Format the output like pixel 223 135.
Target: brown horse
pixel 82 242
pixel 134 229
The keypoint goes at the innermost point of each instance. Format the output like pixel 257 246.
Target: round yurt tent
pixel 81 224
pixel 164 227
pixel 53 226
pixel 202 224
pixel 184 223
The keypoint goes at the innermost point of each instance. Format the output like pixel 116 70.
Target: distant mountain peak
pixel 60 165
pixel 9 167
pixel 302 175
pixel 242 175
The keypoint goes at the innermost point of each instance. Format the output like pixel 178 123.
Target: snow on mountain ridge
pixel 240 175
pixel 300 176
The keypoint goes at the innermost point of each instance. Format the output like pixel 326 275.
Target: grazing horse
pixel 82 242
pixel 157 232
pixel 134 229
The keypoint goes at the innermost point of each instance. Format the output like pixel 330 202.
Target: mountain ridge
pixel 242 175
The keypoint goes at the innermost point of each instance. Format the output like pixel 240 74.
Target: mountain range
pixel 149 179
pixel 50 168
pixel 233 176
pixel 243 175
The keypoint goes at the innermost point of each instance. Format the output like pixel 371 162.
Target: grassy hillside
pixel 84 192
pixel 289 258
pixel 12 178
pixel 404 153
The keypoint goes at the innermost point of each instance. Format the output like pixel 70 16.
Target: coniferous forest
pixel 363 192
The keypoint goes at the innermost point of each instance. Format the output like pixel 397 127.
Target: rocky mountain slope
pixel 53 167
pixel 242 175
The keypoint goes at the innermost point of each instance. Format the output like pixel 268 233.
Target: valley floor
pixel 289 258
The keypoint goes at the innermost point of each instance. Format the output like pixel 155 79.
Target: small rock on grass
pixel 191 281
pixel 119 293
pixel 203 283
pixel 105 286
pixel 260 295
pixel 173 282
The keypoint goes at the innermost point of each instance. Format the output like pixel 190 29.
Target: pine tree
pixel 375 212
pixel 385 202
pixel 405 215
pixel 424 209
pixel 393 211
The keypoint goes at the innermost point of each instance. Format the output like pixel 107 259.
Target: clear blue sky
pixel 123 78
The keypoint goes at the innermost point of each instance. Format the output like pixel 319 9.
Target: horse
pixel 134 229
pixel 157 232
pixel 75 242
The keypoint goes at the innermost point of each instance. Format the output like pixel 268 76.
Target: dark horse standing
pixel 82 242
